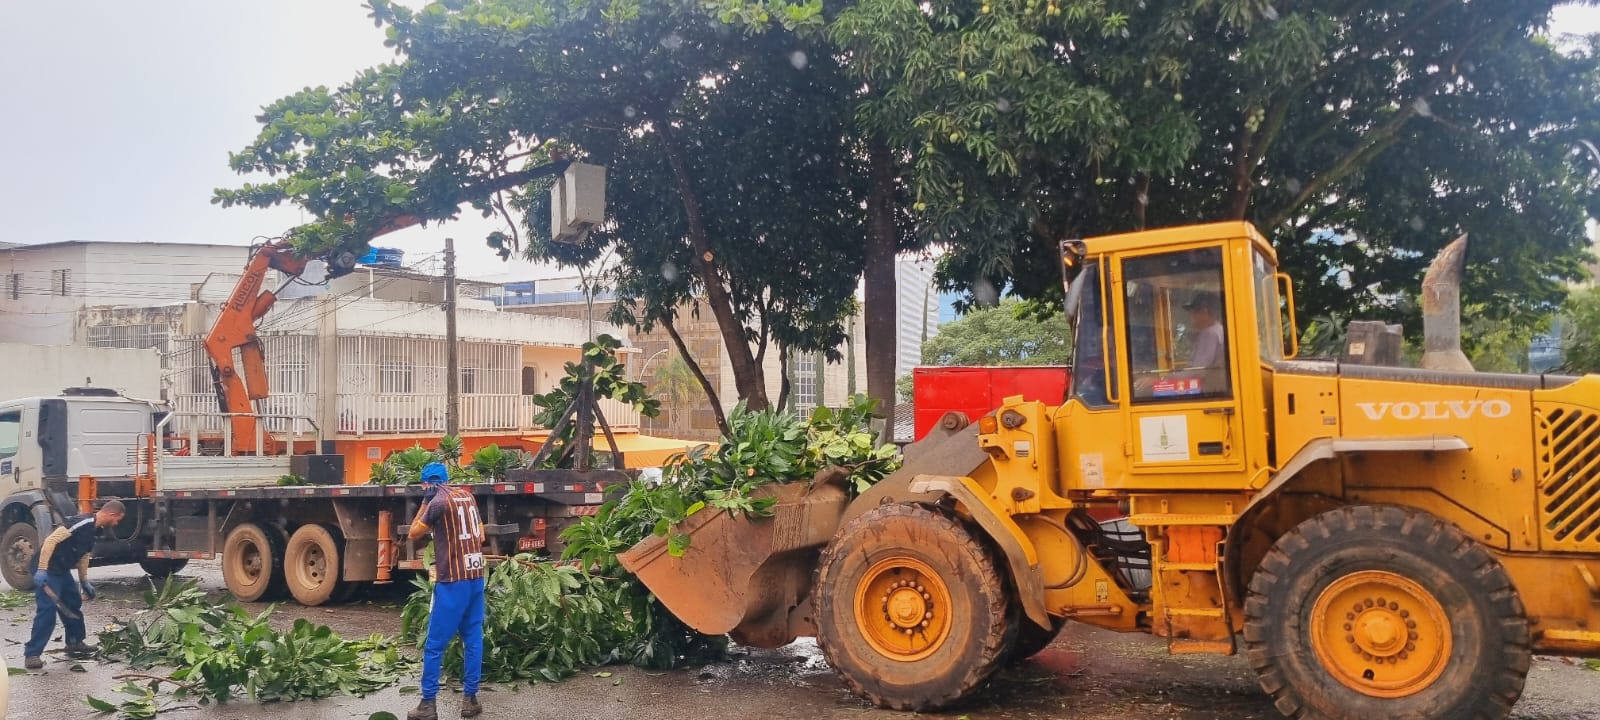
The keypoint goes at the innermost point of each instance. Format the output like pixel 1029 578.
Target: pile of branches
pixel 216 652
pixel 547 621
pixel 489 464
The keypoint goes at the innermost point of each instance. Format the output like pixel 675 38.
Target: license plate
pixel 526 544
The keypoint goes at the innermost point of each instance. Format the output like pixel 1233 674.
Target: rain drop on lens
pixel 799 60
pixel 672 42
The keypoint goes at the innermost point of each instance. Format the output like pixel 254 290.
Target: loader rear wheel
pixel 252 562
pixel 313 563
pixel 1032 639
pixel 1378 611
pixel 913 612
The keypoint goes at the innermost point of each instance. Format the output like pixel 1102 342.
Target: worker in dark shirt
pixel 451 513
pixel 69 546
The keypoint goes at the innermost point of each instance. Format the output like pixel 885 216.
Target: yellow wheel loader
pixel 1379 542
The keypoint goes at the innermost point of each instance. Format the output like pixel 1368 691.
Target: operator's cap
pixel 1203 299
pixel 435 473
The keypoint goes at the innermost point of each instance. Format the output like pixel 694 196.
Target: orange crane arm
pixel 235 329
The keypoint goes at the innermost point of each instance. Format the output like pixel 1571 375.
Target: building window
pixel 469 380
pixel 395 376
pixel 137 337
pixel 530 380
pixel 16 286
pixel 58 282
pixel 805 383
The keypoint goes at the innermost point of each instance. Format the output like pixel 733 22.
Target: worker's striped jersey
pixel 457 534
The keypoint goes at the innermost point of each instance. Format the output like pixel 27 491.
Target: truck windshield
pixel 10 432
pixel 1092 363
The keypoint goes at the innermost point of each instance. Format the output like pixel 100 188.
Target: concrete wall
pixel 32 370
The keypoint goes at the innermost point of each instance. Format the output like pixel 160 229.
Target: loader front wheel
pixel 912 609
pixel 1377 611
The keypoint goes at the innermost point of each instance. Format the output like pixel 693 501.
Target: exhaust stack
pixel 1441 310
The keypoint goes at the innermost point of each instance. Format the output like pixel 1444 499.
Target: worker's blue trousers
pixel 457 609
pixel 44 622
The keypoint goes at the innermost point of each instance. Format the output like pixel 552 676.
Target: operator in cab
pixel 1209 350
pixel 451 513
pixel 69 546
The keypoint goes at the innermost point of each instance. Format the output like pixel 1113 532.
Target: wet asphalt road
pixel 1088 675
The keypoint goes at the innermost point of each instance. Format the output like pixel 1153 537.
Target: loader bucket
pixel 742 576
pixel 751 578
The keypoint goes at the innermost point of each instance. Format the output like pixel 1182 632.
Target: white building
pixel 44 287
pixel 362 356
pixel 916 310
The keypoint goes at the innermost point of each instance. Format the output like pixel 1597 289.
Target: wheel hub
pixel 1381 634
pixel 901 608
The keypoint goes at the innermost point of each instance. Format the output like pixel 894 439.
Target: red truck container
pixel 977 391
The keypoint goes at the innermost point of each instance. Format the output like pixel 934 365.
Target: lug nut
pixel 1394 606
pixel 1350 616
pixel 1405 613
pixel 928 615
pixel 1403 655
pixel 1350 639
pixel 1367 602
pixel 1381 602
pixel 924 623
pixel 1412 635
pixel 1411 646
pixel 926 596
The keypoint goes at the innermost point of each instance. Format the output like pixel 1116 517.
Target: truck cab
pixel 49 448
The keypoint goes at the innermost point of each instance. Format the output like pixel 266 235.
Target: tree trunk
pixel 879 280
pixel 699 375
pixel 747 373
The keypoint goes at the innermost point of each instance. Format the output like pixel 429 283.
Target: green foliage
pixel 905 387
pixel 1011 333
pixel 12 599
pixel 1580 337
pixel 546 622
pixel 1361 142
pixel 677 383
pixel 488 464
pixel 1324 336
pixel 141 703
pixel 221 652
pixel 600 370
pixel 491 464
pixel 1496 344
pixel 743 191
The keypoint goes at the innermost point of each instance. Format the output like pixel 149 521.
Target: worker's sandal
pixel 33 663
pixel 426 710
pixel 80 651
pixel 470 707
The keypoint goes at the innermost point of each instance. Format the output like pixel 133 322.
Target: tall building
pixel 917 313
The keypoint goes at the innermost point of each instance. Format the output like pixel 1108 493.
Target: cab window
pixel 1269 309
pixel 1094 345
pixel 10 433
pixel 1177 318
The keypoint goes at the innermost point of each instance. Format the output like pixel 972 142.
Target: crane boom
pixel 239 384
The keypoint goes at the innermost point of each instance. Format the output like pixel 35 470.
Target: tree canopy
pixel 1360 136
pixel 1010 333
pixel 764 156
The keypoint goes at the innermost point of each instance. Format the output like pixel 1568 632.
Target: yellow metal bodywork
pixel 1513 461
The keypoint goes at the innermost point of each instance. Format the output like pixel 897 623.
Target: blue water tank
pixel 383 257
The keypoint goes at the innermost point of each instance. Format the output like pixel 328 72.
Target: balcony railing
pixel 367 414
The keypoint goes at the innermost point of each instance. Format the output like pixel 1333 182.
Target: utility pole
pixel 452 364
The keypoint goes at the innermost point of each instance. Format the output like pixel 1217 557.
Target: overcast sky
pixel 116 117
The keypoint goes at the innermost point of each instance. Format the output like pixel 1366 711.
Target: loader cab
pixel 1175 334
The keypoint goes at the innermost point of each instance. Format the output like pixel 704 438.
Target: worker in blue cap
pixel 451 513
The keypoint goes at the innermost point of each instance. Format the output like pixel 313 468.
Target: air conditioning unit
pixel 577 202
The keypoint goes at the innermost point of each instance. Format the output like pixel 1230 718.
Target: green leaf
pixel 100 705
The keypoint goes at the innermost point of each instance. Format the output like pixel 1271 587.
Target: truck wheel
pixel 913 612
pixel 162 569
pixel 20 543
pixel 252 562
pixel 1377 611
pixel 1031 639
pixel 312 564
